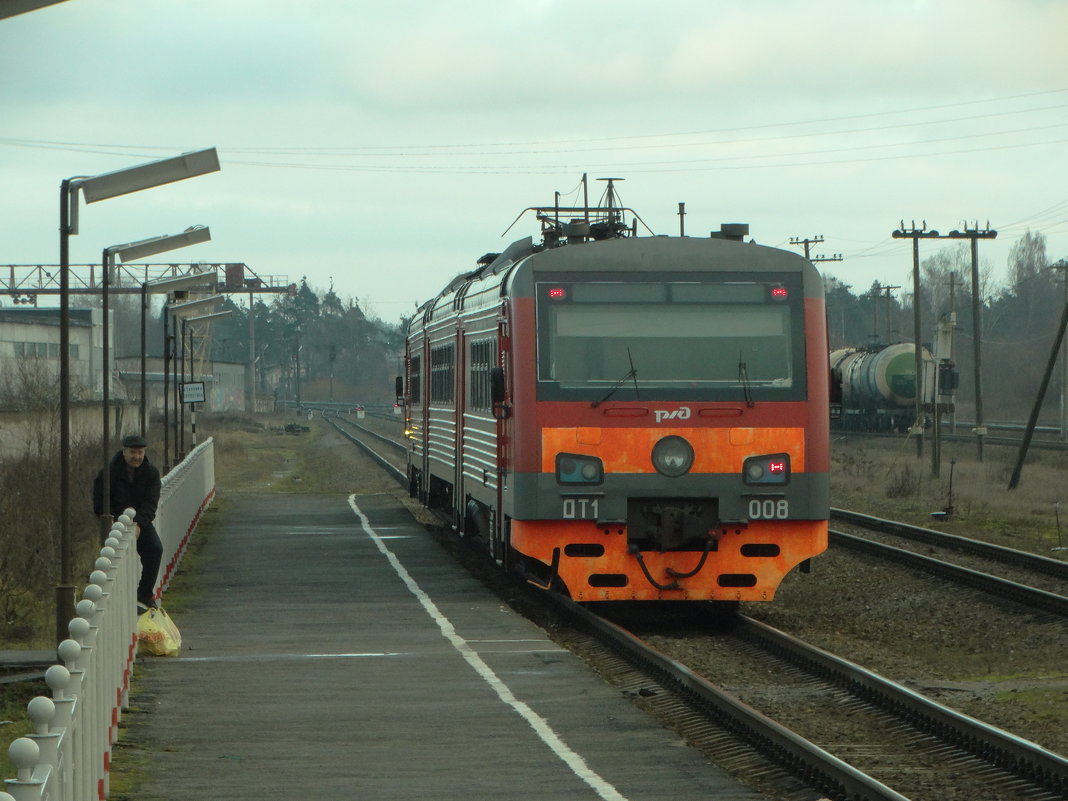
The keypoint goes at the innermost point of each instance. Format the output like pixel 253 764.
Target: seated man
pixel 135 484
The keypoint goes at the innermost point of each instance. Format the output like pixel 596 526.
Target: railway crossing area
pixel 333 650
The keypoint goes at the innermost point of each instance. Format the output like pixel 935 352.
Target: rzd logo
pixel 682 413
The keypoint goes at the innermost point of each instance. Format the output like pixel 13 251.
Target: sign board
pixel 193 392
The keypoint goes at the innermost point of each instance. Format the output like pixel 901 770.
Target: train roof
pixel 510 271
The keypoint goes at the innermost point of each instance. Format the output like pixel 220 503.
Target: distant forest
pixel 343 355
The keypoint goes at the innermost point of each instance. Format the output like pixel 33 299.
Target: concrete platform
pixel 333 650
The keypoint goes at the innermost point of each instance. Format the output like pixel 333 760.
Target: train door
pixel 460 403
pixel 500 405
pixel 416 419
pixel 441 442
pixel 478 434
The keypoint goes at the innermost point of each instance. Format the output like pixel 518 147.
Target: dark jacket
pixel 141 493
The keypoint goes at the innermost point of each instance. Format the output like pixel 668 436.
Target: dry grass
pixel 885 477
pixel 257 456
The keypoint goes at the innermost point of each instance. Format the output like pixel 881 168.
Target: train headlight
pixel 772 468
pixel 673 456
pixel 575 468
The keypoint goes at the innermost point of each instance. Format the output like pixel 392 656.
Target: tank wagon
pixel 876 386
pixel 627 418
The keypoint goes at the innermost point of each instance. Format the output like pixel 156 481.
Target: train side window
pixel 415 379
pixel 442 373
pixel 481 361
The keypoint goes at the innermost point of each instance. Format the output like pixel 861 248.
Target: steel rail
pixel 400 446
pixel 1007 751
pixel 811 764
pixel 1000 553
pixel 397 475
pixel 1003 588
pixel 1005 442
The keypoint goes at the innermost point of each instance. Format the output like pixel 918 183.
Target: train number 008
pixel 769 509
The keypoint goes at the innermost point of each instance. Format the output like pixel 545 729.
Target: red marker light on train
pixel 779 292
pixel 771 468
pixel 557 293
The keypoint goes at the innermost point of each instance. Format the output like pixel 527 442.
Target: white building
pixel 29 354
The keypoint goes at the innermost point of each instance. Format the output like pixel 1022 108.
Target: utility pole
pixel 889 318
pixel 874 293
pixel 806 243
pixel 250 369
pixel 1062 265
pixel 975 234
pixel 953 337
pixel 836 284
pixel 884 290
pixel 1033 420
pixel 916 234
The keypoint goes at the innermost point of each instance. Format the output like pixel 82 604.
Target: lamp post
pixel 1062 265
pixel 96 188
pixel 175 312
pixel 163 286
pixel 192 363
pixel 125 253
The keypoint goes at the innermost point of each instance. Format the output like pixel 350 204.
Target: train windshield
pixel 671 340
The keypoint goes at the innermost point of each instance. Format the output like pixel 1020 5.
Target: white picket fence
pixel 68 757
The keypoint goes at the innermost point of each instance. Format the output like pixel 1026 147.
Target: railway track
pixel 1030 579
pixel 877 739
pixel 393 461
pixel 1044 440
pixel 882 731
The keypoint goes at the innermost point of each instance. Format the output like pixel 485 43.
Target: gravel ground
pixel 998 662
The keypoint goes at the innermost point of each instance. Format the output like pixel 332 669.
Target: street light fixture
pixel 212 316
pixel 125 253
pixel 95 188
pixel 14 7
pixel 144 176
pixel 200 304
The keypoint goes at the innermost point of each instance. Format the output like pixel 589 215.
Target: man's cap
pixel 134 441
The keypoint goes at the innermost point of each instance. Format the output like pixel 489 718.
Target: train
pixel 874 387
pixel 626 418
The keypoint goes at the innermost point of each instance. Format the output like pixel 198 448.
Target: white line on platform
pixel 562 750
pixel 281 657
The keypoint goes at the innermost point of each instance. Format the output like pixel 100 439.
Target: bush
pixel 30 544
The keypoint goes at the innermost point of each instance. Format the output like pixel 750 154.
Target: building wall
pixel 224 384
pixel 29 351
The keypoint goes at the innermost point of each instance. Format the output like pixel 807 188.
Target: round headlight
pixel 673 456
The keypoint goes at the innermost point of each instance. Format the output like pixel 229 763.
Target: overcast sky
pixel 385 146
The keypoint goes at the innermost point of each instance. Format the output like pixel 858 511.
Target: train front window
pixel 682 340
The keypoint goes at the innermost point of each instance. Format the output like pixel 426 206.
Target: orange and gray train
pixel 634 418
